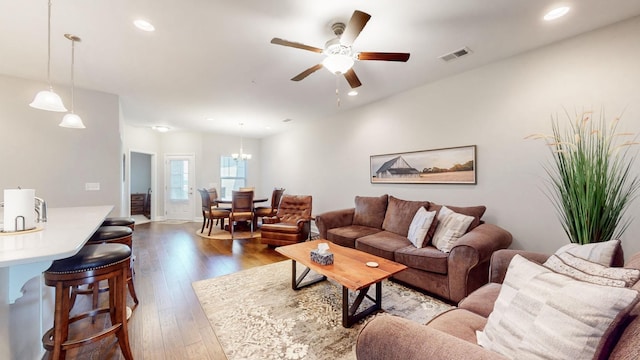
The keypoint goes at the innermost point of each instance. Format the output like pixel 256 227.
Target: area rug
pixel 256 315
pixel 217 234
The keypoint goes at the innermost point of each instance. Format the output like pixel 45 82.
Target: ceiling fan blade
pixel 282 42
pixel 352 78
pixel 384 56
pixel 307 72
pixel 354 27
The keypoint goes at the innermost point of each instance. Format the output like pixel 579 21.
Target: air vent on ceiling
pixel 456 54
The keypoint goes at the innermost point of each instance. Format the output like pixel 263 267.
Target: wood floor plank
pixel 169 322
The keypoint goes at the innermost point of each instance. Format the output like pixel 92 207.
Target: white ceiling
pixel 209 65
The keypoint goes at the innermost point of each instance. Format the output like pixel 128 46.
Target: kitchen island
pixel 26 308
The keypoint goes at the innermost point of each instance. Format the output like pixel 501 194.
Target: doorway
pixel 179 186
pixel 141 186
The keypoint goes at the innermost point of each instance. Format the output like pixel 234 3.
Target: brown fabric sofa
pixel 379 225
pixel 451 335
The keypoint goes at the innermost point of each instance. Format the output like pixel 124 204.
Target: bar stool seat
pixel 93 263
pixel 120 221
pixel 109 235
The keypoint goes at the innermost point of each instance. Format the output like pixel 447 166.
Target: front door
pixel 179 186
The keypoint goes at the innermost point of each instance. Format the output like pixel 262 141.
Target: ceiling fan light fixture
pixel 338 64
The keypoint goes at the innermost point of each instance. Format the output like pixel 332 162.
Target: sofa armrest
pixel 393 338
pixel 334 219
pixel 500 262
pixel 472 249
pixel 270 220
pixel 485 239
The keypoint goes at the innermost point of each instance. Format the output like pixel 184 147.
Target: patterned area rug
pixel 256 315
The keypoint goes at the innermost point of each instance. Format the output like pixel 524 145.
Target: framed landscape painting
pixel 455 165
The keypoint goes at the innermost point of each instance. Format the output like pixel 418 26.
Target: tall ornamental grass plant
pixel 591 179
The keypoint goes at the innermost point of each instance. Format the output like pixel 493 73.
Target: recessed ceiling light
pixel 287 120
pixel 556 13
pixel 144 25
pixel 161 128
pixel 352 93
pixel 210 119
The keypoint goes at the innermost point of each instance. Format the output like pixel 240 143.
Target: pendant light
pixel 47 99
pixel 71 120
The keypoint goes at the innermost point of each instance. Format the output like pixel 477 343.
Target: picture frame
pixel 453 165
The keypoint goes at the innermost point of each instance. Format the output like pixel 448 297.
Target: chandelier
pixel 241 155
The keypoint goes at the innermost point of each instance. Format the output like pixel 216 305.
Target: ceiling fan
pixel 340 56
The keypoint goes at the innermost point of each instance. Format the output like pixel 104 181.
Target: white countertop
pixel 64 233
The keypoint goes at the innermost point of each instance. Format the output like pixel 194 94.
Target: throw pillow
pixel 370 211
pixel 475 211
pixel 541 314
pixel 399 215
pixel 420 225
pixel 557 265
pixel 451 226
pixel 601 253
pixel 629 276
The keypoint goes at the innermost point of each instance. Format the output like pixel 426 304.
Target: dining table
pixel 228 201
pixel 240 226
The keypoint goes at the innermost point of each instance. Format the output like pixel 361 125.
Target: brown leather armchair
pixel 291 223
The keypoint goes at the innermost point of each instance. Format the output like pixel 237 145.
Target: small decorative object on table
pixel 321 255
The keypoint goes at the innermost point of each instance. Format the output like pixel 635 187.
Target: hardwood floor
pixel 169 322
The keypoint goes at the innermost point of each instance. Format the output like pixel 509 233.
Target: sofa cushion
pixel 420 225
pixel 475 211
pixel 542 314
pixel 460 323
pixel 370 211
pixel 399 215
pixel 451 227
pixel 601 253
pixel 347 235
pixel 427 258
pixel 383 244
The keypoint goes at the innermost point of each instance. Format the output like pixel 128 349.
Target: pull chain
pixel 337 92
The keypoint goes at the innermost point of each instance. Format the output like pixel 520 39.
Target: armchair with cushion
pixel 291 223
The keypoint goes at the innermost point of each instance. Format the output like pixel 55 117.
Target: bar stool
pixel 109 235
pixel 91 264
pixel 120 221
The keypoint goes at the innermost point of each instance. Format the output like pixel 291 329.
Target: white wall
pixel 140 172
pixel 36 153
pixel 493 107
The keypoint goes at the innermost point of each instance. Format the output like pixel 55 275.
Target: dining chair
pixel 262 211
pixel 241 209
pixel 210 213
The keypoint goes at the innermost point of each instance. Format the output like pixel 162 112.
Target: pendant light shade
pixel 47 99
pixel 71 120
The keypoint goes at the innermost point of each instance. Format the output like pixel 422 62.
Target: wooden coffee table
pixel 349 269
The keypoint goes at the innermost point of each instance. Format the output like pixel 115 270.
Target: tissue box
pixel 322 259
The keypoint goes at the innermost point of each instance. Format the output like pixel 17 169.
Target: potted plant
pixel 591 180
